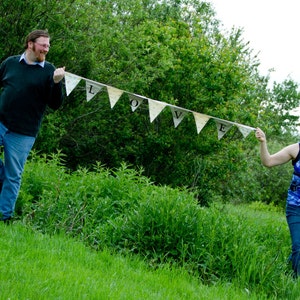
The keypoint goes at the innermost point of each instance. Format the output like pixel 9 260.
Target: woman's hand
pixel 260 135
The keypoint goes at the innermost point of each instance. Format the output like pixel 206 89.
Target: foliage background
pixel 173 51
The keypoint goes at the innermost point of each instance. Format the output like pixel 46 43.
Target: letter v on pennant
pixel 178 115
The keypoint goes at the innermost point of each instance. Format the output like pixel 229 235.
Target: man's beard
pixel 40 57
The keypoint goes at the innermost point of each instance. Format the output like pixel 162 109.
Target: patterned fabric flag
pixel 71 81
pixel 200 120
pixel 114 95
pixel 178 115
pixel 155 108
pixel 92 89
pixel 135 101
pixel 222 127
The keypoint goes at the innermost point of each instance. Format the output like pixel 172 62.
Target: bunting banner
pixel 155 106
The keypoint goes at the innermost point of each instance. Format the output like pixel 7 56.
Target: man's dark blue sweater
pixel 26 92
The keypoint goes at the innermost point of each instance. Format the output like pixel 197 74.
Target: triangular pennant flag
pixel 245 130
pixel 114 95
pixel 71 81
pixel 155 108
pixel 200 120
pixel 92 89
pixel 178 115
pixel 222 127
pixel 135 101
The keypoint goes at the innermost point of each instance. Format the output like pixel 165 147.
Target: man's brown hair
pixel 32 36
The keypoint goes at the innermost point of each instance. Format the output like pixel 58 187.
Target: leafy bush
pixel 42 173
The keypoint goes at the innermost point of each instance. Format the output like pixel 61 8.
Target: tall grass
pixel 123 211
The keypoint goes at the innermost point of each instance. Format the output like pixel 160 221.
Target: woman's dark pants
pixel 293 220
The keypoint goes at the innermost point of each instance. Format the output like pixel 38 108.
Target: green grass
pixel 37 266
pixel 165 245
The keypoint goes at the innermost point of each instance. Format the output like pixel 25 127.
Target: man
pixel 28 85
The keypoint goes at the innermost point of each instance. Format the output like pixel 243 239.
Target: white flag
pixel 178 115
pixel 135 101
pixel 200 120
pixel 245 130
pixel 222 127
pixel 71 81
pixel 114 95
pixel 92 89
pixel 155 108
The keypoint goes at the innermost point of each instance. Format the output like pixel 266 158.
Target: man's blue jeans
pixel 16 150
pixel 293 220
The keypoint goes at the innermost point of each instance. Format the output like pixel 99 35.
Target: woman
pixel 289 153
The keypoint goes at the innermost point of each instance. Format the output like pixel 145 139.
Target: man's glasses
pixel 43 45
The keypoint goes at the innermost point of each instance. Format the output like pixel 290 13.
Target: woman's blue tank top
pixel 293 197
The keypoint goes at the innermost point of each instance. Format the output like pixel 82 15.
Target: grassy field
pixel 36 266
pixel 114 235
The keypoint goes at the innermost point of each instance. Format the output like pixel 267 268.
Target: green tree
pixel 171 51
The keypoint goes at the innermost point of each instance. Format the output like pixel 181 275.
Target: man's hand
pixel 59 74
